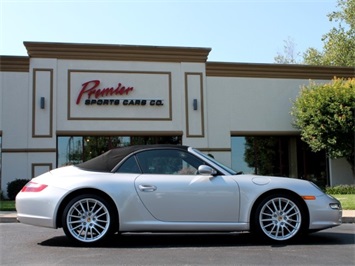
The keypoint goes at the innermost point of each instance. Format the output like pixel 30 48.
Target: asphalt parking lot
pixel 29 245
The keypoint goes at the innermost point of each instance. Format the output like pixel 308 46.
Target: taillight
pixel 33 187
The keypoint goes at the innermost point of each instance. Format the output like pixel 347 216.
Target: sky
pixel 252 31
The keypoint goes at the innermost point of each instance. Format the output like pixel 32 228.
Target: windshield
pixel 225 168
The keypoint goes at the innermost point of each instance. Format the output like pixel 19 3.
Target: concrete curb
pixel 348 220
pixel 11 217
pixel 8 217
pixel 7 220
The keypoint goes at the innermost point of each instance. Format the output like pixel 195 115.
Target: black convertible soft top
pixel 108 160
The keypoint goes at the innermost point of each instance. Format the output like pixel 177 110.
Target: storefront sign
pixel 90 88
pixel 138 93
pixel 94 95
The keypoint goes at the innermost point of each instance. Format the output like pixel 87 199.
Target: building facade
pixel 66 103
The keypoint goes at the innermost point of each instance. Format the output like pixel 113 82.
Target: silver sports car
pixel 170 188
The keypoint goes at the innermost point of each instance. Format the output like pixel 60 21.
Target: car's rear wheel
pixel 87 219
pixel 279 217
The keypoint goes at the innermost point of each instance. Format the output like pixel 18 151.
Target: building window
pixel 77 149
pixel 70 150
pixel 278 156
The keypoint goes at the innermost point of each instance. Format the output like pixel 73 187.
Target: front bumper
pixel 323 213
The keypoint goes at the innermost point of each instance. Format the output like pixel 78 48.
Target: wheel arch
pixel 82 191
pixel 276 191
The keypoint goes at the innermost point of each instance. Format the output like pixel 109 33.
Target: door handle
pixel 147 188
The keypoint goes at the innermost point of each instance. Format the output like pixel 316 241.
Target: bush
pixel 341 190
pixel 324 113
pixel 15 187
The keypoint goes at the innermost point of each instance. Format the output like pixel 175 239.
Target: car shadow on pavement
pixel 148 240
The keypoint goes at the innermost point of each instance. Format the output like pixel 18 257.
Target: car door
pixel 171 190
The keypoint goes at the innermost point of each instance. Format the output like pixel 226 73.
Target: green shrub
pixel 341 189
pixel 15 187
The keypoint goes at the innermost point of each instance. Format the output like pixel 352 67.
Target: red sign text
pixel 90 88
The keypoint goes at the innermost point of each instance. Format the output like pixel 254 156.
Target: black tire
pixel 279 217
pixel 88 219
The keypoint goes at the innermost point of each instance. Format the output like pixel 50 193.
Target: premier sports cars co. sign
pixel 119 95
pixel 92 94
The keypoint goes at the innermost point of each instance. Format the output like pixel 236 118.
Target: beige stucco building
pixel 63 95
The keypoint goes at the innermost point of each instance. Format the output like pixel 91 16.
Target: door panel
pixel 189 198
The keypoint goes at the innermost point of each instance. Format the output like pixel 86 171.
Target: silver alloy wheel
pixel 88 220
pixel 280 218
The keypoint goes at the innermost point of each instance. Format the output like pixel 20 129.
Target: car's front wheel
pixel 87 219
pixel 279 217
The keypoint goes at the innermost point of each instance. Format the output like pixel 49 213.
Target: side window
pixel 168 162
pixel 130 166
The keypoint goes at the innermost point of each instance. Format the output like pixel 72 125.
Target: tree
pixel 290 55
pixel 339 42
pixel 97 145
pixel 268 155
pixel 325 115
pixel 260 154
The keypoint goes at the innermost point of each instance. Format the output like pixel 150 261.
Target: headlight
pixel 335 206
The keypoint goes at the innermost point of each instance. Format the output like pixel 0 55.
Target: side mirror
pixel 206 170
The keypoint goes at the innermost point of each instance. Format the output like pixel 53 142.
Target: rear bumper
pixel 35 220
pixel 39 208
